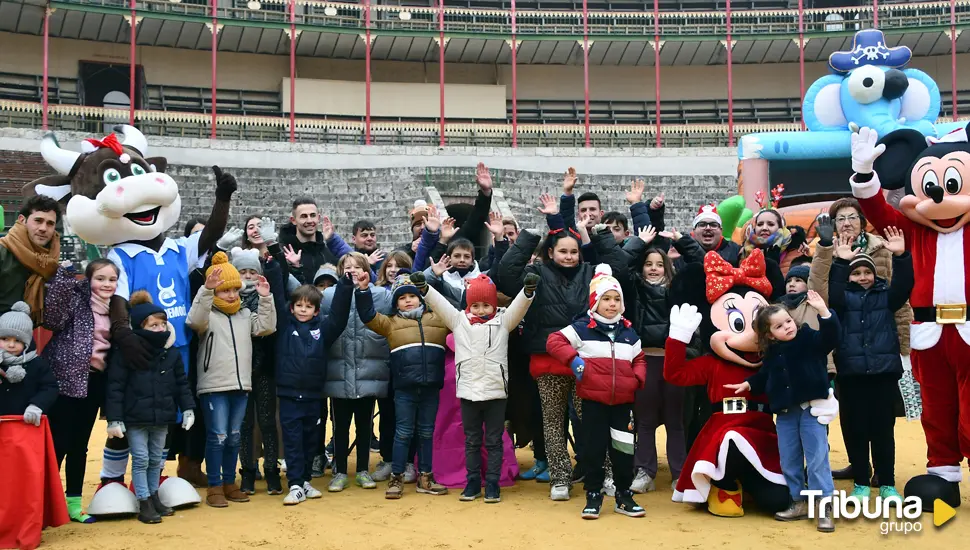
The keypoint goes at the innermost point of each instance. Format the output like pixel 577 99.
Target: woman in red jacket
pixel 605 356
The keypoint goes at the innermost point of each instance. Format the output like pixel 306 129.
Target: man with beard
pixel 707 232
pixel 305 248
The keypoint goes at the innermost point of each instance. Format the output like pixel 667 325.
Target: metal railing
pixel 531 23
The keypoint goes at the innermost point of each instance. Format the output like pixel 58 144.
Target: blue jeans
pixel 414 408
pixel 147 444
pixel 801 440
pixel 224 413
pixel 300 432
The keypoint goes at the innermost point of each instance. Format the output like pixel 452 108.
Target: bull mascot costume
pixel 736 452
pixel 933 214
pixel 118 196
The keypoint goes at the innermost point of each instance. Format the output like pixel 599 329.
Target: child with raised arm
pixel 481 357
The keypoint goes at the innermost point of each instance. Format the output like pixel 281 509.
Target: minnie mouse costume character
pixel 933 214
pixel 737 450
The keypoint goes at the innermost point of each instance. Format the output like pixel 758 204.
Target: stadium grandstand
pixel 600 73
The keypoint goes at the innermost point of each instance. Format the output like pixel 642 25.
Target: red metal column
pixel 367 72
pixel 131 65
pixel 292 71
pixel 730 79
pixel 441 70
pixel 656 64
pixel 215 48
pixel 515 84
pixel 586 66
pixel 801 54
pixel 43 98
pixel 953 56
pixel 875 14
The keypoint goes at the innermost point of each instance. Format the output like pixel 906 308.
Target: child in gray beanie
pixel 27 384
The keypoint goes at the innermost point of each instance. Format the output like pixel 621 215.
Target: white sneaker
pixel 559 492
pixel 310 491
pixel 282 464
pixel 643 483
pixel 410 474
pixel 609 489
pixel 383 471
pixel 295 496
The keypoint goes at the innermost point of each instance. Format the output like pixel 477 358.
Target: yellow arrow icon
pixel 942 512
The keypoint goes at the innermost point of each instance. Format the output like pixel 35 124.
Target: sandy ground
pixel 525 518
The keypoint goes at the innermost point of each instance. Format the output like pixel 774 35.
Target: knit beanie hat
pixel 862 260
pixel 481 289
pixel 800 271
pixel 403 285
pixel 142 307
pixel 603 282
pixel 17 323
pixel 246 259
pixel 230 275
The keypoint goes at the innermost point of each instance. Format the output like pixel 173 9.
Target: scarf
pixel 414 314
pixel 226 307
pixel 15 371
pixel 248 296
pixel 98 306
pixel 478 320
pixel 779 239
pixel 862 242
pixel 608 323
pixel 156 339
pixel 791 301
pixel 568 272
pixel 41 262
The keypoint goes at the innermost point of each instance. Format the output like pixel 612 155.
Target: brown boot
pixel 191 471
pixel 233 493
pixel 395 487
pixel 427 485
pixel 216 497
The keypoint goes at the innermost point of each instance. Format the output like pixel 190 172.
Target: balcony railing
pixel 532 23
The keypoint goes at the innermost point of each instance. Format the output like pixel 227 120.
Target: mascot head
pixel 935 173
pixel 114 193
pixel 729 299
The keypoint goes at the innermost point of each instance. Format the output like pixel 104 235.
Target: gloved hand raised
pixel 232 237
pixel 684 321
pixel 419 281
pixel 225 184
pixel 531 282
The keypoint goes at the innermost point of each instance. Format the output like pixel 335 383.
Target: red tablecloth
pixel 32 497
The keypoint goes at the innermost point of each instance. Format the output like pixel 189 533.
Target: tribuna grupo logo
pixel 897 515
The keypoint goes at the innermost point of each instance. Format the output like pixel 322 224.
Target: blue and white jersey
pixel 164 274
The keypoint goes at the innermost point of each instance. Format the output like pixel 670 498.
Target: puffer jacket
pixel 883 258
pixel 481 349
pixel 651 308
pixel 563 293
pixel 869 340
pixel 313 253
pixel 417 346
pixel 301 347
pixel 615 367
pixel 38 388
pixel 358 361
pixel 152 396
pixel 225 342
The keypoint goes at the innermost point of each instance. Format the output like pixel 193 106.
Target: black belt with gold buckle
pixel 738 405
pixel 941 314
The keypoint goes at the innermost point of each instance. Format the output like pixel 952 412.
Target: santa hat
pixel 707 213
pixel 603 282
pixel 481 289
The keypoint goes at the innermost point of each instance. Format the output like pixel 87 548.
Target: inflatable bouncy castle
pixel 869 86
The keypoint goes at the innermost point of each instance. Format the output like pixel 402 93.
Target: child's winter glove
pixel 578 366
pixel 32 415
pixel 116 429
pixel 188 419
pixel 267 230
pixel 825 410
pixel 684 320
pixel 232 237
pixel 15 373
pixel 418 280
pixel 531 283
pixel 825 229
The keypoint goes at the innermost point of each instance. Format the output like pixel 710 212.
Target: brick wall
pixel 18 168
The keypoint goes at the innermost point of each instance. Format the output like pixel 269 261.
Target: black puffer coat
pixel 650 309
pixel 150 397
pixel 563 293
pixel 264 347
pixel 869 344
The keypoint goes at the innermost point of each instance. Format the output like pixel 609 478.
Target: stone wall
pixel 382 183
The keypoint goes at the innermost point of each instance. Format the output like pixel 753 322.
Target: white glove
pixel 267 230
pixel 116 429
pixel 32 415
pixel 684 321
pixel 825 410
pixel 865 151
pixel 188 419
pixel 232 237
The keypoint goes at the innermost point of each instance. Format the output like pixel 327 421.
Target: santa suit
pixel 752 432
pixel 940 352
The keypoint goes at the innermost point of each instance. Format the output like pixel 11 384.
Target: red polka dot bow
pixel 722 276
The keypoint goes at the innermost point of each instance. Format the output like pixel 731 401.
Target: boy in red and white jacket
pixel 604 354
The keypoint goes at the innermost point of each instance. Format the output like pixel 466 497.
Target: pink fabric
pixel 449 436
pixel 102 332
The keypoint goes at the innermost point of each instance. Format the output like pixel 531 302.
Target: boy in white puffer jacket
pixel 481 361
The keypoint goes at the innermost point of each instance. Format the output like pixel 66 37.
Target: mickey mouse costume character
pixel 117 195
pixel 738 448
pixel 933 214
